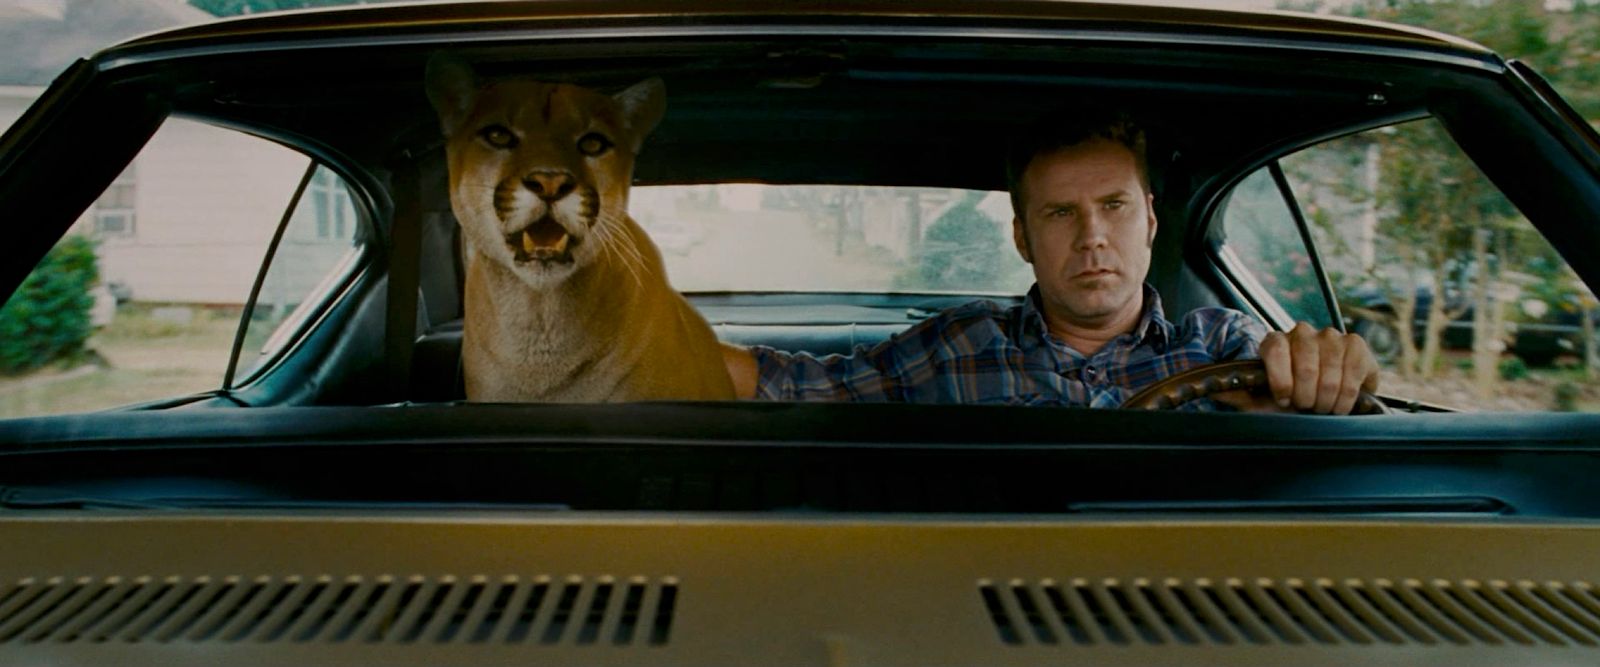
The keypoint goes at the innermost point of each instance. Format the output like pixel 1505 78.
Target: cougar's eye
pixel 593 144
pixel 498 136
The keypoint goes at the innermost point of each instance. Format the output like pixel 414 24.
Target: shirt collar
pixel 1153 326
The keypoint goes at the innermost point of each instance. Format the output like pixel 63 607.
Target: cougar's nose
pixel 549 185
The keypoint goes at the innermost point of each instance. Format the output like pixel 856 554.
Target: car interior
pixel 875 112
pixel 868 111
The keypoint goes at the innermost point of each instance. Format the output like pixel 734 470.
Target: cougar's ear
pixel 642 104
pixel 452 88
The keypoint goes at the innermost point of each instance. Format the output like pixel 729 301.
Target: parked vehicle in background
pixel 1537 331
pixel 1546 330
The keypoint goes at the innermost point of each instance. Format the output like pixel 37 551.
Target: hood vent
pixel 381 610
pixel 1293 611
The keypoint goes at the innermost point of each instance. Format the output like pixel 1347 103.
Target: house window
pixel 330 200
pixel 113 211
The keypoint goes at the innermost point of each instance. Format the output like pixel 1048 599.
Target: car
pixel 1553 327
pixel 1541 330
pixel 1371 314
pixel 333 499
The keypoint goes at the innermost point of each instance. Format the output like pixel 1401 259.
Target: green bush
pixel 1513 368
pixel 963 250
pixel 47 318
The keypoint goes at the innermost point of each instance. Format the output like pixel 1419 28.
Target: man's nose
pixel 1093 233
pixel 549 185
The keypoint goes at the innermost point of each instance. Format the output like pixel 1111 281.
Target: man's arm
pixel 902 368
pixel 866 375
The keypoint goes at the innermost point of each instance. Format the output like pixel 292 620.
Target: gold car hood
pixel 626 589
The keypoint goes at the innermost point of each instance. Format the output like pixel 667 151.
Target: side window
pixel 1262 239
pixel 318 250
pixel 1465 303
pixel 141 300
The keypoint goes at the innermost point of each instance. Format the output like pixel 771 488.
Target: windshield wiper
pixel 1381 505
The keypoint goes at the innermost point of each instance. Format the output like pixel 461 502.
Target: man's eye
pixel 1115 204
pixel 498 136
pixel 593 144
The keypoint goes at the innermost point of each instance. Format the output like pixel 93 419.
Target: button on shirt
pixel 983 352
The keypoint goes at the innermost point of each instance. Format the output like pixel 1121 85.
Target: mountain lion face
pixel 539 172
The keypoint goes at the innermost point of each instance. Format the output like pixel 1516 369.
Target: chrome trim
pixel 247 317
pixel 1266 306
pixel 314 320
pixel 345 266
pixel 307 315
pixel 1292 202
pixel 328 292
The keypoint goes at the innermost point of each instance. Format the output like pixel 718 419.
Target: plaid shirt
pixel 983 353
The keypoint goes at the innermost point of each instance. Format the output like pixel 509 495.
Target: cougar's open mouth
pixel 546 241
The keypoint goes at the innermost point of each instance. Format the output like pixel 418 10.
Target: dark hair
pixel 1065 128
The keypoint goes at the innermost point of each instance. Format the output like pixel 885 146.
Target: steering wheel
pixel 1249 375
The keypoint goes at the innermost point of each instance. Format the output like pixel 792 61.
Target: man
pixel 1091 332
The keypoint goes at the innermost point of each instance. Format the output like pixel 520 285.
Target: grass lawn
pixel 1452 386
pixel 145 358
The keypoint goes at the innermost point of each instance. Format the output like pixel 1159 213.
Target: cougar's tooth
pixel 527 242
pixel 561 245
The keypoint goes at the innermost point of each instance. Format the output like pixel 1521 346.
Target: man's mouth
pixel 1094 273
pixel 545 241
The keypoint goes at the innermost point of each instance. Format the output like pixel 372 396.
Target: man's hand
pixel 1318 371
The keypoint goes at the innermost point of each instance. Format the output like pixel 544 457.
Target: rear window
pixel 770 238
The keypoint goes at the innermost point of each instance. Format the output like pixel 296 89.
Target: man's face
pixel 1088 231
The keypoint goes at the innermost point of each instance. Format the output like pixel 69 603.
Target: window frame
pixel 1227 268
pixel 1232 268
pixel 333 288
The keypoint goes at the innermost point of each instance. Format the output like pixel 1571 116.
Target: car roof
pixel 864 92
pixel 391 18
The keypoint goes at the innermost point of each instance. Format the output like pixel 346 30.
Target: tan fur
pixel 600 322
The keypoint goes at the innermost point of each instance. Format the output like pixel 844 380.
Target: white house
pixel 190 220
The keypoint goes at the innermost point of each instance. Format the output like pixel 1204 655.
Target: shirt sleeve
pixel 1239 336
pixel 904 368
pixel 1229 335
pixel 866 375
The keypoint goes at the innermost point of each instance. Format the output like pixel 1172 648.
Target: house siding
pixel 207 201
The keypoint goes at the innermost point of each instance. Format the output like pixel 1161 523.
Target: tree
pixel 48 317
pixel 963 250
pixel 1442 223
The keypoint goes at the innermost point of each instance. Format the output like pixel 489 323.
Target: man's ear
pixel 1019 236
pixel 643 105
pixel 1150 210
pixel 452 88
